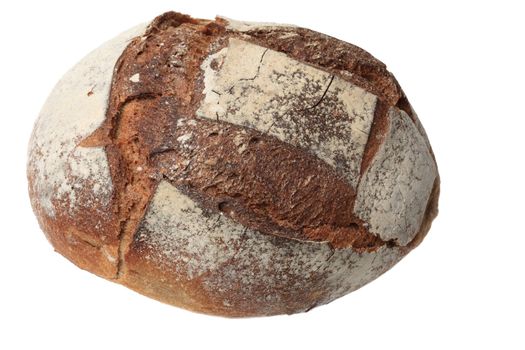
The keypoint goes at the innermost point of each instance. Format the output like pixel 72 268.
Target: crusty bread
pixel 232 168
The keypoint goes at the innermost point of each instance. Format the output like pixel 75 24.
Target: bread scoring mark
pixel 245 26
pixel 395 189
pixel 76 107
pixel 242 269
pixel 261 182
pixel 252 86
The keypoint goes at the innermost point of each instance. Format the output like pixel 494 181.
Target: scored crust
pixel 235 160
pixel 70 186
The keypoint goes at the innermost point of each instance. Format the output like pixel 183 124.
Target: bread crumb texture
pixel 232 168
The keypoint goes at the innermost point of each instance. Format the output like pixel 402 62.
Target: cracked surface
pixel 263 183
pixel 331 55
pixel 235 154
pixel 294 102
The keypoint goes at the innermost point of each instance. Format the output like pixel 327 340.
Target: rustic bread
pixel 232 168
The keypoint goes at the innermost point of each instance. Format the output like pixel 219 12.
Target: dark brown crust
pixel 77 244
pixel 263 183
pixel 269 186
pixel 132 129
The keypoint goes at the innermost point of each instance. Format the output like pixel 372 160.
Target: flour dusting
pixel 299 104
pixel 76 107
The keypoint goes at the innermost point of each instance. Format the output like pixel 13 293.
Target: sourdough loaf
pixel 232 168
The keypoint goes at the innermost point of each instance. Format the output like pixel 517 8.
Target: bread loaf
pixel 232 168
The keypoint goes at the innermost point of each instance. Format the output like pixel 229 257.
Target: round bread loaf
pixel 232 168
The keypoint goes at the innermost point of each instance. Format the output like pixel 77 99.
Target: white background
pixel 462 67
